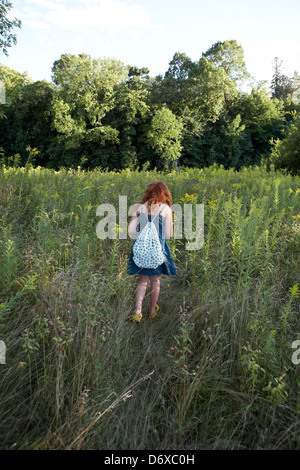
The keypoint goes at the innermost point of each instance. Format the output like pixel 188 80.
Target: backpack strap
pixel 143 209
pixel 159 210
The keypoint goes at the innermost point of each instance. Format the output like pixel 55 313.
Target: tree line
pixel 101 112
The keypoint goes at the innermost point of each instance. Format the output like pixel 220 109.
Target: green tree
pixel 138 72
pixel 202 93
pixel 211 90
pixel 240 133
pixel 286 152
pixel 180 68
pixel 229 55
pixel 29 121
pixel 164 137
pixel 15 84
pixel 263 119
pixel 281 85
pixel 7 39
pixel 85 92
pixel 199 87
pixel 212 95
pixel 172 90
pixel 128 117
pixel 98 106
pixel 224 142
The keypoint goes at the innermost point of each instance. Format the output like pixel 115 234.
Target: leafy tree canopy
pixel 7 39
pixel 164 136
pixel 283 86
pixel 230 56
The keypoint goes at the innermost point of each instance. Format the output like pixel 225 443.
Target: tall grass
pixel 214 371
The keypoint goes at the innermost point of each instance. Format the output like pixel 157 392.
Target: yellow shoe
pixel 155 313
pixel 135 318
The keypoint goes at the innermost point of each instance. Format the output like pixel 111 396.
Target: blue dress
pixel 168 267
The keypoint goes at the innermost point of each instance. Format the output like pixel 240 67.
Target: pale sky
pixel 147 33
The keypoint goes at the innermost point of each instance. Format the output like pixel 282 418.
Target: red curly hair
pixel 157 193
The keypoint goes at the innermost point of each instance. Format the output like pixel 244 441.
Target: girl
pixel 156 194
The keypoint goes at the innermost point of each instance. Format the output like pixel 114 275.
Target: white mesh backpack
pixel 147 250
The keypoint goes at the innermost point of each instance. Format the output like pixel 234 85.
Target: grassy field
pixel 213 371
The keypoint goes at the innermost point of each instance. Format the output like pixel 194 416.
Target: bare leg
pixel 154 293
pixel 140 293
